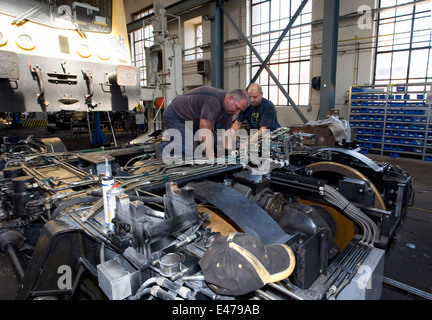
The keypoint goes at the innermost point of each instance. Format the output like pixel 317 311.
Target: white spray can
pixel 111 199
pixel 107 182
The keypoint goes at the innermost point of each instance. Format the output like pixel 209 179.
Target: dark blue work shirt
pixel 263 115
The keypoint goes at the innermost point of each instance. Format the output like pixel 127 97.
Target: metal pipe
pixel 112 129
pixel 16 260
pixel 408 288
pixel 183 180
pixel 265 295
pixel 217 48
pixel 285 291
pixel 155 213
pixel 89 127
pixel 329 57
pixel 71 168
pixel 193 278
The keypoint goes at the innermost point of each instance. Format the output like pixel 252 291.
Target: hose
pixel 346 270
pixel 184 292
pixel 156 290
pixel 144 289
pixel 370 229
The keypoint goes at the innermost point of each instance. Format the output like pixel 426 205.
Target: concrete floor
pixel 409 258
pixel 408 261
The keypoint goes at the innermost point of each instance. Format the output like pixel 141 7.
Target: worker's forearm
pixel 205 137
pixel 258 134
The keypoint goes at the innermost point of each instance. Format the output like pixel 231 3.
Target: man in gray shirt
pixel 201 110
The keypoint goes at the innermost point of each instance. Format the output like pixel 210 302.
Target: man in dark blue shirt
pixel 260 114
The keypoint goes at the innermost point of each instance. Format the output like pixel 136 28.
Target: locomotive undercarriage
pixel 336 209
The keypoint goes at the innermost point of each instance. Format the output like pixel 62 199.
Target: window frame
pixel 291 62
pixel 139 40
pixel 408 48
pixel 198 41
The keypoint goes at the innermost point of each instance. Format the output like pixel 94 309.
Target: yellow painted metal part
pixel 345 228
pixel 218 221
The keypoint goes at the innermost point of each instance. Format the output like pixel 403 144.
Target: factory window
pixel 403 43
pixel 140 39
pixel 193 39
pixel 290 63
pixel 198 41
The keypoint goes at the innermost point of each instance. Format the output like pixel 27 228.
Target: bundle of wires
pixel 369 227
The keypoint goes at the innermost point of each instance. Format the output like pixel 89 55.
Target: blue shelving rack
pixel 393 119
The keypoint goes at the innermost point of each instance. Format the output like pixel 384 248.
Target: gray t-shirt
pixel 202 103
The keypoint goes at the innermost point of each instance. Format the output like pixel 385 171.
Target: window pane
pixel 274 94
pixel 256 14
pixel 402 35
pixel 283 74
pixel 294 93
pixel 387 3
pixel 306 18
pixel 264 77
pixel 295 48
pixel 275 9
pixel 275 69
pixel 400 65
pixel 264 15
pixel 385 36
pixel 304 95
pixel 304 72
pixel 404 10
pixel 283 101
pixel 295 4
pixel 294 71
pixel 383 66
pixel 387 13
pixel 418 64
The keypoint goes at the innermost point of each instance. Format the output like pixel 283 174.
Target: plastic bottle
pixel 107 183
pixel 111 199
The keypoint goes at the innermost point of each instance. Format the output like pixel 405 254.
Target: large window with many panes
pixel 403 46
pixel 291 61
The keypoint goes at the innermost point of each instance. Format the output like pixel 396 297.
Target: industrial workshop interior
pixel 203 152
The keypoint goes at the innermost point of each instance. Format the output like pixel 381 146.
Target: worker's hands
pixel 254 138
pixel 206 138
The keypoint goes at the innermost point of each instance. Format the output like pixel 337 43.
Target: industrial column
pixel 329 57
pixel 217 48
